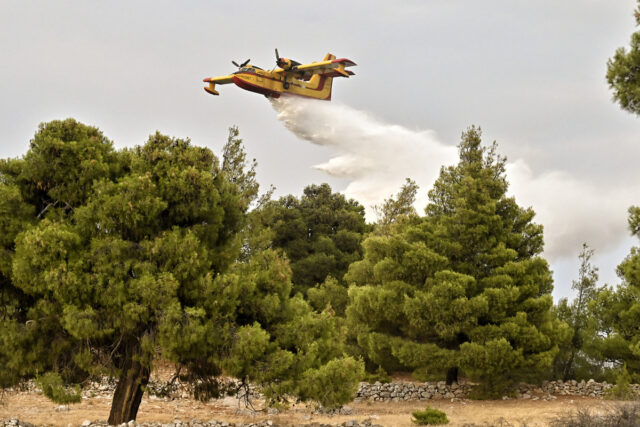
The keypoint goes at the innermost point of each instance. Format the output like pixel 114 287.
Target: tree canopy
pixel 117 258
pixel 398 208
pixel 623 73
pixel 463 287
pixel 618 310
pixel 320 232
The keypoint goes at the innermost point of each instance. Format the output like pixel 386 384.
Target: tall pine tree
pixel 463 288
pixel 576 360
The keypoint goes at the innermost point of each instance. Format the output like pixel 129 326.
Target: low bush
pixel 53 387
pixel 430 416
pixel 622 390
pixel 379 375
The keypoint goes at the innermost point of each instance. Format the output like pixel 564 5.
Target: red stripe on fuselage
pixel 254 88
pixel 259 89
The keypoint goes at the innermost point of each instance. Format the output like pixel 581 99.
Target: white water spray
pixel 376 157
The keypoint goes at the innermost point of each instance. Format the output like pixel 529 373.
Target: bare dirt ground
pixel 37 409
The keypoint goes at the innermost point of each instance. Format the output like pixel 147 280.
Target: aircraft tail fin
pixel 323 82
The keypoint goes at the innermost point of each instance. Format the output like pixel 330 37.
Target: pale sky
pixel 530 73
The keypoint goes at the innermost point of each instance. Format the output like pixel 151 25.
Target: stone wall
pixel 388 392
pixel 401 391
pixel 583 388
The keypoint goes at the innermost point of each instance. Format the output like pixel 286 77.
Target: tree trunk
pixel 129 391
pixel 452 375
pixel 566 372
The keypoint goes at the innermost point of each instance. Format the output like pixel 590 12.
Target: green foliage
pixel 461 289
pixel 54 388
pixel 334 383
pixel 623 73
pixel 622 390
pixel 396 209
pixel 618 312
pixel 634 220
pixel 320 233
pixel 237 169
pixel 15 216
pixel 330 294
pixel 577 357
pixel 430 416
pixel 122 257
pixel 380 375
pixel 63 161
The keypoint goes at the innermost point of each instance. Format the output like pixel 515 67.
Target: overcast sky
pixel 530 73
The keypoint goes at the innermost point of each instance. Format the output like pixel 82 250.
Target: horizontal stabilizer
pixel 345 61
pixel 335 73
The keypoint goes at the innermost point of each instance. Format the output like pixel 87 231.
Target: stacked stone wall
pixel 408 391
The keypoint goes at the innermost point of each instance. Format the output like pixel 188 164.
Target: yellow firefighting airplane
pixel 310 80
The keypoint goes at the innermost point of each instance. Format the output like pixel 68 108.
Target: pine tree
pixel 123 257
pixel 573 360
pixel 398 208
pixel 320 233
pixel 464 287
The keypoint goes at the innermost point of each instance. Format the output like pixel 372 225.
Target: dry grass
pixel 38 410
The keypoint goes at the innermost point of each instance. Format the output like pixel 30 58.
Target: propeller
pixel 287 64
pixel 241 65
pixel 279 61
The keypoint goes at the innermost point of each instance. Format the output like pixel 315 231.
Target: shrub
pixel 379 375
pixel 53 387
pixel 622 390
pixel 430 416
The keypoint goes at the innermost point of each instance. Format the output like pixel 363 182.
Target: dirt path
pixel 39 410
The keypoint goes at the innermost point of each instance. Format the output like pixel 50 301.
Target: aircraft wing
pixel 331 66
pixel 216 80
pixel 219 80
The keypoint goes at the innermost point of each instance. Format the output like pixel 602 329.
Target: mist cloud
pixel 376 157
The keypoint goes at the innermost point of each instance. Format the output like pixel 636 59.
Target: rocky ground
pixel 14 422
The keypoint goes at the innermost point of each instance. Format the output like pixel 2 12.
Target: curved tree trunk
pixel 130 388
